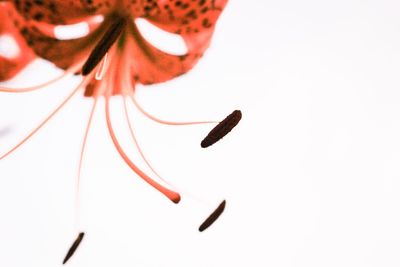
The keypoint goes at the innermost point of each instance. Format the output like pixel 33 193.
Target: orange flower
pixel 112 57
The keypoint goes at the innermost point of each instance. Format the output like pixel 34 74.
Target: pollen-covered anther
pixel 73 248
pixel 213 216
pixel 222 129
pixel 100 50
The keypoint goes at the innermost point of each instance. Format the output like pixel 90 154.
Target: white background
pixel 311 175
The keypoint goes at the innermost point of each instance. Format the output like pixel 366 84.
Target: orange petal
pixel 63 53
pixel 11 64
pixel 194 21
pixel 62 11
pixel 184 17
pixel 150 65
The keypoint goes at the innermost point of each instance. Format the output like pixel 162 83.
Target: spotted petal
pixel 184 17
pixel 11 64
pixel 194 21
pixel 150 65
pixel 63 53
pixel 62 11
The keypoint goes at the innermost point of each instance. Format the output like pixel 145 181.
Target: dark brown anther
pixel 73 248
pixel 213 217
pixel 222 129
pixel 102 47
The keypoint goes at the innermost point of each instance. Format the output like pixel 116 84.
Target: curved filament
pixel 138 146
pixel 172 195
pixel 153 118
pixel 68 72
pixel 100 72
pixel 82 84
pixel 78 178
pixel 191 195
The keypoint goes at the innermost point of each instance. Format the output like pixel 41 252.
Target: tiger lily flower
pixel 112 57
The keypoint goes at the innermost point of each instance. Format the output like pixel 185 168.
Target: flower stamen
pixel 51 115
pixel 110 83
pixel 78 178
pixel 102 47
pixel 172 195
pixel 73 247
pixel 213 216
pixel 174 123
pixel 133 135
pixel 222 129
pixel 67 73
